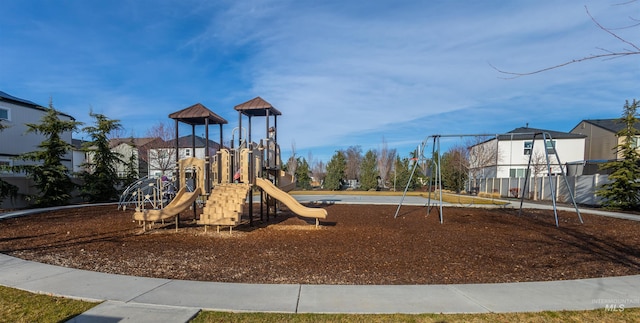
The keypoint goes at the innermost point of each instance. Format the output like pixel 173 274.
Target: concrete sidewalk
pixel 139 299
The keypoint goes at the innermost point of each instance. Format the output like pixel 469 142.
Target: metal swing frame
pixel 438 171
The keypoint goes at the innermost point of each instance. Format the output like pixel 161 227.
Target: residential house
pixel 138 147
pixel 126 147
pixel 507 155
pixel 15 114
pixel 601 138
pixel 162 160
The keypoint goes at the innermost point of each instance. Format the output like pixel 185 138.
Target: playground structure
pixel 147 191
pixel 224 182
pixel 436 170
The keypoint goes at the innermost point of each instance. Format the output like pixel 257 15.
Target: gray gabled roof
pixel 26 103
pixel 524 133
pixel 77 143
pixel 613 125
pixel 186 141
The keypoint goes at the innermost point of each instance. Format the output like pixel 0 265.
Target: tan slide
pixel 181 202
pixel 289 201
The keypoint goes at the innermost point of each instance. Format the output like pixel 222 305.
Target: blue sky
pixel 343 73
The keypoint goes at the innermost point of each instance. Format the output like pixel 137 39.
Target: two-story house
pixel 15 114
pixel 602 139
pixel 133 149
pixel 507 155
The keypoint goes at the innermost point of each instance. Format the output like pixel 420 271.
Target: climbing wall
pixel 224 205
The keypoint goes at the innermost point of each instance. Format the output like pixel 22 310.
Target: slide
pixel 289 201
pixel 181 202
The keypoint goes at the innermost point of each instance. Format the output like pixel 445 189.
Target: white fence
pixel 583 188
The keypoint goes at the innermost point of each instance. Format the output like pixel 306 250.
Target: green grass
pixel 628 315
pixel 20 306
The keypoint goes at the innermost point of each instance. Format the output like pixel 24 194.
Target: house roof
pixel 26 103
pixel 185 142
pixel 524 133
pixel 77 143
pixel 138 142
pixel 197 114
pixel 613 125
pixel 257 107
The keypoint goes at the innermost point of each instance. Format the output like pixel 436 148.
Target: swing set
pixel 435 169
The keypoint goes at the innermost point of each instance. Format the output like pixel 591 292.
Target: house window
pixel 4 114
pixel 551 144
pixel 527 147
pixel 188 152
pixel 517 172
pixel 635 142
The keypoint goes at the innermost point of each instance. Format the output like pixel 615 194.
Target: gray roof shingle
pixel 524 133
pixel 613 125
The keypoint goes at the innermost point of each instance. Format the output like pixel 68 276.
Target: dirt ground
pixel 356 244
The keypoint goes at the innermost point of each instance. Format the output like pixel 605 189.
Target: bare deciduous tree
pixel 317 168
pixel 292 162
pixel 160 153
pixel 539 167
pixel 482 154
pixel 629 48
pixel 385 161
pixel 353 156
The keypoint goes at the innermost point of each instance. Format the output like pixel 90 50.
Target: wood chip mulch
pixel 356 244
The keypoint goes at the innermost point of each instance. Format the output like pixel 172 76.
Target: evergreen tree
pixel 454 173
pixel 100 175
pixel 402 174
pixel 303 180
pixel 51 177
pixel 368 171
pixel 335 171
pixel 6 189
pixel 624 189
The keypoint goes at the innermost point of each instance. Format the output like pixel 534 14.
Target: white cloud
pixel 342 73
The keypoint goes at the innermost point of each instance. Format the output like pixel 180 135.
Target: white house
pixel 162 161
pixel 508 155
pixel 15 113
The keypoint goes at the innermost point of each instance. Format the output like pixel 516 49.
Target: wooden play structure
pixel 225 181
